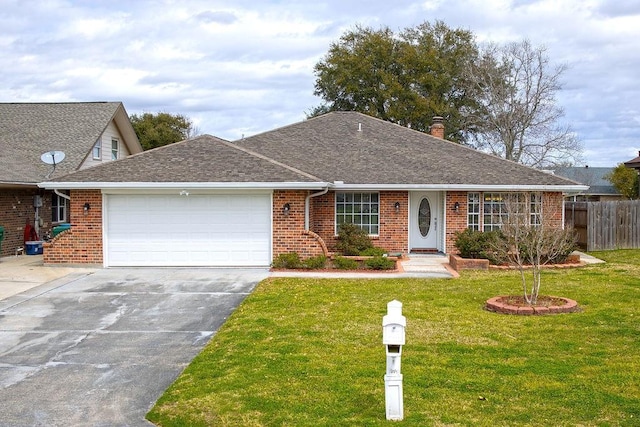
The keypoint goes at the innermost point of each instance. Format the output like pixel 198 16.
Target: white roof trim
pixel 459 187
pixel 303 186
pixel 184 185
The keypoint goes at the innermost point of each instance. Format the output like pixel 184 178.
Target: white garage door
pixel 193 230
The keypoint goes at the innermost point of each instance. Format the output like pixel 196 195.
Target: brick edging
pixel 497 305
pixel 323 245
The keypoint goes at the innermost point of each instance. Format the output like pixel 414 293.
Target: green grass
pixel 309 353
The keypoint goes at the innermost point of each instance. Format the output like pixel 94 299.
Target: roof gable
pixel 27 130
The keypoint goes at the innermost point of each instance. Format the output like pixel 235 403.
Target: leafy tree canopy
pixel 625 180
pixel 156 130
pixel 406 78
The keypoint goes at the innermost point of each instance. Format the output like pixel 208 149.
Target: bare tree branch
pixel 518 117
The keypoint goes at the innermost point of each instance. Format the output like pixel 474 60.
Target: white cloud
pixel 240 66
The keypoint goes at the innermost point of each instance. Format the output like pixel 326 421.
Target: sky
pixel 240 67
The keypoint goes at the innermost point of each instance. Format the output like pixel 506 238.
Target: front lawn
pixel 308 352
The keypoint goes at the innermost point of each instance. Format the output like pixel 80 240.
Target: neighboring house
pixel 600 188
pixel 634 163
pixel 88 133
pixel 209 202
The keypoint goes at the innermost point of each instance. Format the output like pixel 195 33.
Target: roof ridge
pixel 60 103
pixel 270 160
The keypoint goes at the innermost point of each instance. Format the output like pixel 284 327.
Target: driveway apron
pixel 99 349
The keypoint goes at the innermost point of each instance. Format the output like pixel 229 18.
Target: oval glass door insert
pixel 424 217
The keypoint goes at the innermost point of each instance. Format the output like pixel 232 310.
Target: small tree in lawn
pixel 532 239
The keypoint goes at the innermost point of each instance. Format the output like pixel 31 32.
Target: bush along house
pixel 210 202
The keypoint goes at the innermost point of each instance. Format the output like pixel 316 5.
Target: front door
pixel 425 221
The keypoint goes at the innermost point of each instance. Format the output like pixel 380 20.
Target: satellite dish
pixel 52 157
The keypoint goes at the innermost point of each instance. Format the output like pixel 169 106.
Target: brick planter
pixel 458 263
pixel 500 304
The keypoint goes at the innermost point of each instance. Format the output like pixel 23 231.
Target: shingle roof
pixel 594 177
pixel 359 149
pixel 202 159
pixel 27 130
pixel 349 147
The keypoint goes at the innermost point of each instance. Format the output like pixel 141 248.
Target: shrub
pixel 374 251
pixel 380 263
pixel 477 244
pixel 315 262
pixel 352 240
pixel 343 263
pixel 552 246
pixel 288 260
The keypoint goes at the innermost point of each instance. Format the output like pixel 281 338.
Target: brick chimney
pixel 437 128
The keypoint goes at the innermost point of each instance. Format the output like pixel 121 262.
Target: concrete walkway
pixel 24 272
pixel 588 259
pixel 19 274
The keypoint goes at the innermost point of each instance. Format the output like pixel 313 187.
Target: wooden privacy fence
pixel 605 225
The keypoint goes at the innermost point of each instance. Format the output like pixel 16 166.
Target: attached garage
pixel 188 230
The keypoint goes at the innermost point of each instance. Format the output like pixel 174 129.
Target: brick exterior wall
pixel 394 229
pixel 552 208
pixel 288 229
pixel 456 221
pixel 394 226
pixel 16 210
pixel 82 244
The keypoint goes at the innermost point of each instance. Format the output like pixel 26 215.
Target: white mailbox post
pixel 393 325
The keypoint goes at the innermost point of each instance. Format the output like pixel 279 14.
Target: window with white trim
pixel 361 209
pixel 97 148
pixel 473 211
pixel 494 211
pixel 496 207
pixel 114 149
pixel 535 208
pixel 59 207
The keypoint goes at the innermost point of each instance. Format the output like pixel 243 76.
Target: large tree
pixel 156 130
pixel 406 78
pixel 518 118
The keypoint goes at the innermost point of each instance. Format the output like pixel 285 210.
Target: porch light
pixel 456 207
pixel 86 207
pixel 286 208
pixel 396 206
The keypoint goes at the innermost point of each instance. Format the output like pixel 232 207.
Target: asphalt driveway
pixel 98 349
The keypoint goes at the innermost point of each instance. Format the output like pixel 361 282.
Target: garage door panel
pixel 162 230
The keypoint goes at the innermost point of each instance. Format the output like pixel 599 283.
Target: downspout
pixel 64 196
pixel 306 205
